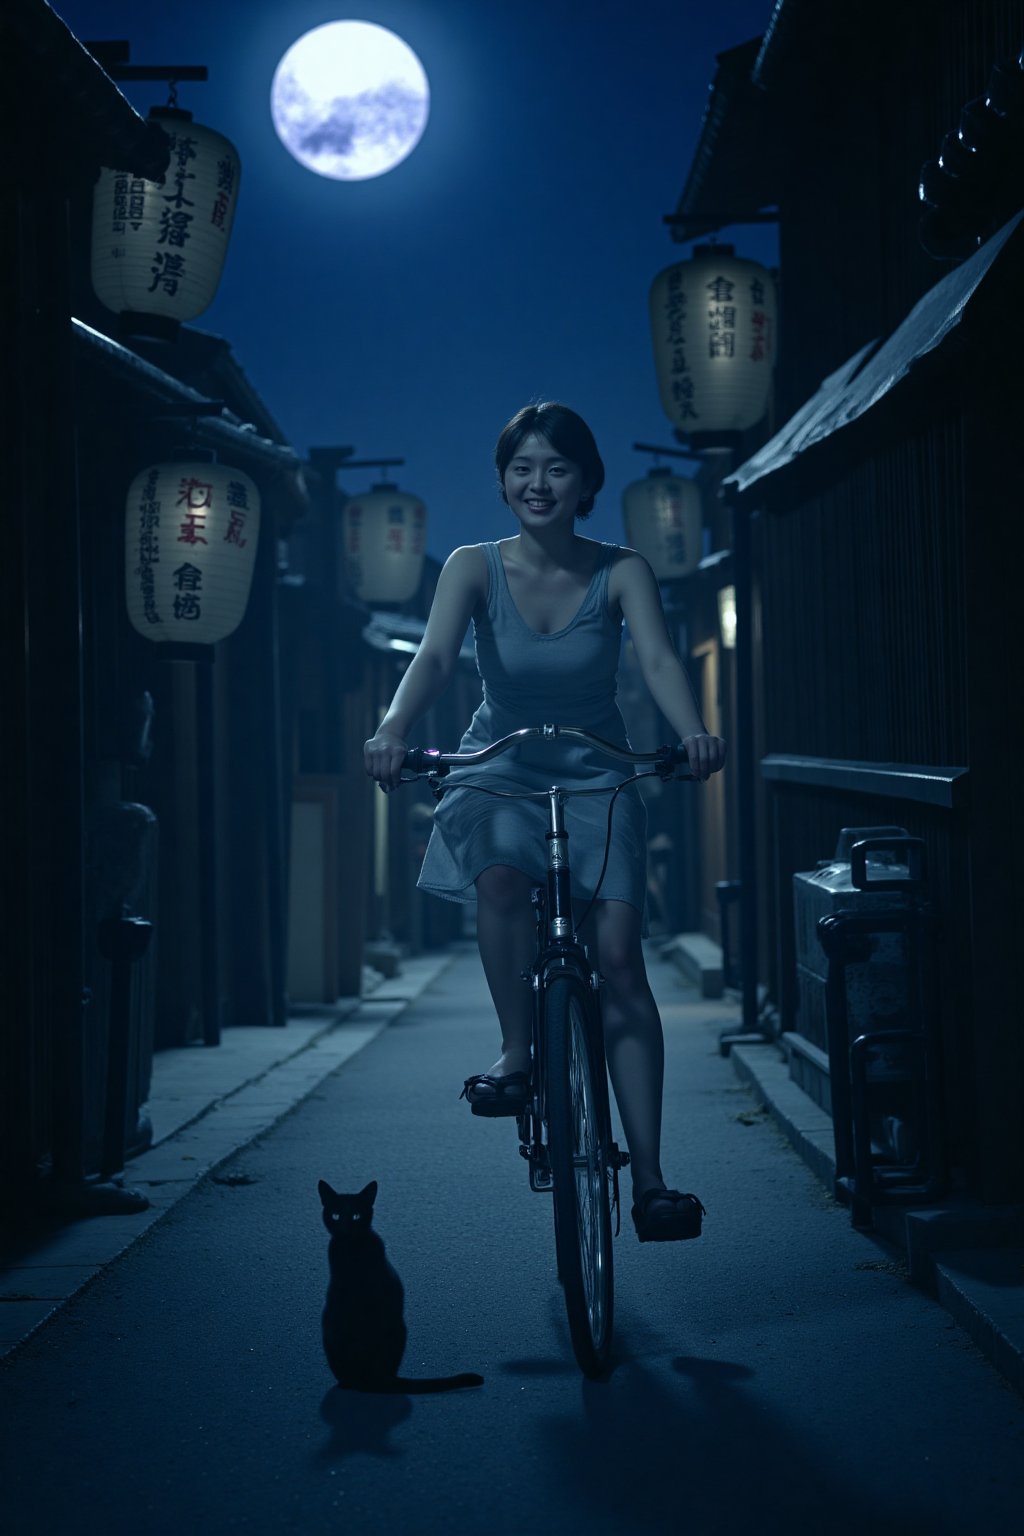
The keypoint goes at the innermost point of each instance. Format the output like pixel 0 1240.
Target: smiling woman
pixel 547 608
pixel 350 100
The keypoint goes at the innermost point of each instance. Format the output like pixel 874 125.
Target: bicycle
pixel 565 1131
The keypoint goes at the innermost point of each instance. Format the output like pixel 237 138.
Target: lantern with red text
pixel 383 542
pixel 662 516
pixel 158 247
pixel 191 534
pixel 713 322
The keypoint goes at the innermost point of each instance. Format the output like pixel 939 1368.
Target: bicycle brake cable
pixel 439 789
pixel 608 841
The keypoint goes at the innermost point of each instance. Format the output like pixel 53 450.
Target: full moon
pixel 350 100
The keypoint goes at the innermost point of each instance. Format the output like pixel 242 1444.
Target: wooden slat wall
pixel 863 656
pixel 863 610
pixel 873 638
pixel 43 1008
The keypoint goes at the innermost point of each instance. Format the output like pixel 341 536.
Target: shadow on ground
pixel 707 1457
pixel 361 1421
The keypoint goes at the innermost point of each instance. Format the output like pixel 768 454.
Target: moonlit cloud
pixel 391 114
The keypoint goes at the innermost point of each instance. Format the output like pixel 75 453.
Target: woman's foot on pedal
pixel 504 1090
pixel 665 1215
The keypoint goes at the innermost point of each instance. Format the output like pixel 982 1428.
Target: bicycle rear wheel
pixel 578 1152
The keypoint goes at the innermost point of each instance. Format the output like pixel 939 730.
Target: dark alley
pixel 507 682
pixel 782 1372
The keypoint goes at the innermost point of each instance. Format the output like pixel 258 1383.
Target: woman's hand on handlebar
pixel 383 756
pixel 705 754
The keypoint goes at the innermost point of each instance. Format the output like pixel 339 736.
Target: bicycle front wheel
pixel 578 1152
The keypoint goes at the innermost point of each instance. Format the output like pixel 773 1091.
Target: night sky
pixel 507 258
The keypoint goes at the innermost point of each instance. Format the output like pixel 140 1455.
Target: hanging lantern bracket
pixel 112 57
pixel 171 73
pixel 328 461
pixel 702 443
pixel 672 453
pixel 334 458
pixel 380 464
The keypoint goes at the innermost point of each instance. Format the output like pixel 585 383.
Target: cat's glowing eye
pixel 356 1216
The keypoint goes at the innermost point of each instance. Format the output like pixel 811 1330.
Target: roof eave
pixel 278 465
pixel 107 129
pixel 733 119
pixel 946 334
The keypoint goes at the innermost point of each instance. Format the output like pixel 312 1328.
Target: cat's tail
pixel 413 1384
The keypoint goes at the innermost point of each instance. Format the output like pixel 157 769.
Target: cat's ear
pixel 325 1192
pixel 370 1192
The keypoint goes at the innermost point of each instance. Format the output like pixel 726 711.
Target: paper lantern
pixel 662 515
pixel 713 323
pixel 383 540
pixel 190 544
pixel 158 247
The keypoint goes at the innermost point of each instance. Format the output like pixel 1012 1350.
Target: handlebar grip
pixel 424 760
pixel 670 758
pixel 673 757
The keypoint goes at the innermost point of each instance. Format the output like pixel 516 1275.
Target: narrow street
pixel 781 1373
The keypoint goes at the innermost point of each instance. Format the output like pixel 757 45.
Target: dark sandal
pixel 501 1101
pixel 681 1221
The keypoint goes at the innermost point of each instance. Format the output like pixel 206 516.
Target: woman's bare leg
pixel 505 933
pixel 634 1042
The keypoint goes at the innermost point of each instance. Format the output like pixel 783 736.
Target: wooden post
pixel 993 550
pixel 745 776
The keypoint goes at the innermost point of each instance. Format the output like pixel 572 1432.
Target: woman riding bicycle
pixel 547 607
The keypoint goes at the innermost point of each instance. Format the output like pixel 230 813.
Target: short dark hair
pixel 567 433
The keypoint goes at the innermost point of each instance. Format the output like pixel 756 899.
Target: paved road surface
pixel 780 1374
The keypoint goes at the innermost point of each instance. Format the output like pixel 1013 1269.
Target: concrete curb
pixel 698 958
pixel 983 1289
pixel 802 1122
pixel 205 1106
pixel 969 1257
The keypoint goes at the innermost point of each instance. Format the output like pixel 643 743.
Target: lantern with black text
pixel 190 545
pixel 662 516
pixel 158 247
pixel 713 321
pixel 383 542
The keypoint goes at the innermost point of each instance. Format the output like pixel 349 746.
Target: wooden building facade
pixel 879 500
pixel 145 797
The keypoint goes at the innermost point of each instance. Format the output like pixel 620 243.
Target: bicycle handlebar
pixel 429 760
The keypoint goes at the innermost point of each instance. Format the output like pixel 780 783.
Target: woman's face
pixel 541 486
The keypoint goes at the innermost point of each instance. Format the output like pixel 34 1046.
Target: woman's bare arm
pixel 460 587
pixel 662 670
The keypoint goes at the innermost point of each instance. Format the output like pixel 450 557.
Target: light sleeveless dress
pixel 565 678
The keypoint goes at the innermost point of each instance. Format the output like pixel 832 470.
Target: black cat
pixel 364 1331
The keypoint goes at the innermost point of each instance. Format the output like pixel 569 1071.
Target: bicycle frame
pixel 558 946
pixel 559 950
pixel 565 1128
